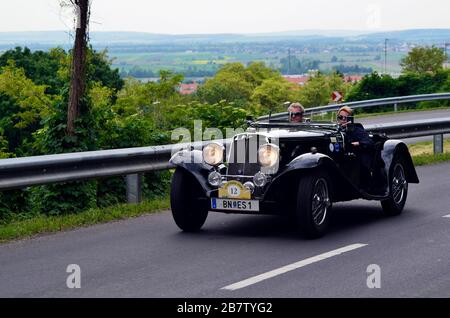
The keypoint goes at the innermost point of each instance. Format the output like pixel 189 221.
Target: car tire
pixel 398 189
pixel 314 204
pixel 187 213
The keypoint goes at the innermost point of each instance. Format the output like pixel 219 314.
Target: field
pixel 199 64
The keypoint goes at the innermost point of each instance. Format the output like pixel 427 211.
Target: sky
pixel 229 16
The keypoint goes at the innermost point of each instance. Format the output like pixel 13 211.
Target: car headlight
pixel 268 155
pixel 213 154
pixel 215 179
pixel 260 179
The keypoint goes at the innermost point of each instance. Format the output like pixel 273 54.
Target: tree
pixel 78 70
pixel 423 59
pixel 273 92
pixel 39 66
pixel 297 66
pixel 230 84
pixel 318 90
pixel 373 86
pixel 235 83
pixel 23 105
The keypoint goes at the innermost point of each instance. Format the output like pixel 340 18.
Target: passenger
pixel 296 112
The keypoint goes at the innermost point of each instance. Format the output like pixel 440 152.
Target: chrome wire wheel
pixel 398 189
pixel 320 201
pixel 399 184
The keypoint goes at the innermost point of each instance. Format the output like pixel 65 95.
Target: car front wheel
pixel 188 214
pixel 313 209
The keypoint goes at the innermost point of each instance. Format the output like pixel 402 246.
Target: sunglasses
pixel 340 117
pixel 296 114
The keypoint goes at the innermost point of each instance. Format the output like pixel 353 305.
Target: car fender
pixel 394 147
pixel 310 161
pixel 192 162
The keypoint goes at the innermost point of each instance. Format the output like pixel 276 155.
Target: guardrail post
pixel 134 188
pixel 395 107
pixel 438 143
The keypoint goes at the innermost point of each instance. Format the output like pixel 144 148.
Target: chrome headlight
pixel 215 179
pixel 213 154
pixel 260 179
pixel 268 155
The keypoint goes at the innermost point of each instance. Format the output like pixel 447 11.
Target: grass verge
pixel 422 153
pixel 427 159
pixel 49 224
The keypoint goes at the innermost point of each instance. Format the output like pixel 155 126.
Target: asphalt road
pixel 406 117
pixel 149 257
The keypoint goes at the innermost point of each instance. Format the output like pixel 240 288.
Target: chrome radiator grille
pixel 243 155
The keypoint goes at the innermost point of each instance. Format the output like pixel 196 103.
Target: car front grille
pixel 243 154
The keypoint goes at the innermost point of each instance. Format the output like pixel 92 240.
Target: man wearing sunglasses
pixel 296 112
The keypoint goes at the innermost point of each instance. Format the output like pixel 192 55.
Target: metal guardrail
pixel 367 103
pixel 412 128
pixel 132 162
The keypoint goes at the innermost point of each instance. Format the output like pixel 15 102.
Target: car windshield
pixel 296 126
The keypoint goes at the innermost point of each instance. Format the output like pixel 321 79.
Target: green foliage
pixel 100 71
pixel 229 84
pixel 273 92
pixel 52 68
pixel 318 90
pixel 33 122
pixel 65 198
pixel 220 115
pixel 379 86
pixel 23 105
pixel 32 100
pixel 149 99
pixel 235 83
pixel 4 151
pixel 423 59
pixel 72 197
pixel 373 86
pixel 40 67
pixel 297 66
pixel 14 204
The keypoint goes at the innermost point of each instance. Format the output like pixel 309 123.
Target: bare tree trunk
pixel 78 72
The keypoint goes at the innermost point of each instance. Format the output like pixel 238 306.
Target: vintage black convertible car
pixel 294 169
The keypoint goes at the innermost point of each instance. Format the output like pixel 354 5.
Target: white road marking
pixel 446 216
pixel 291 267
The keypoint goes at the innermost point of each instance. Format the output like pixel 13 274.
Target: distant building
pixel 352 78
pixel 186 89
pixel 297 79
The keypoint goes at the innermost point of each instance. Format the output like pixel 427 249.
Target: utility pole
pixel 385 54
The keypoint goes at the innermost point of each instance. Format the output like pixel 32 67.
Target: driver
pixel 296 112
pixel 360 140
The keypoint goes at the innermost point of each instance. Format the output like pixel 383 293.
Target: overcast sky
pixel 230 16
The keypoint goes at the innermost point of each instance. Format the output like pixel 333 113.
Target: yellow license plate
pixel 234 190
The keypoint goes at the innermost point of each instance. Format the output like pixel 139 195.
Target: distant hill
pixel 413 36
pixel 38 39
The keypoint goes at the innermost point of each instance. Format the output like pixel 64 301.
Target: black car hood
pixel 292 133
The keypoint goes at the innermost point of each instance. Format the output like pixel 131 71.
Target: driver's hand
pixel 355 143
